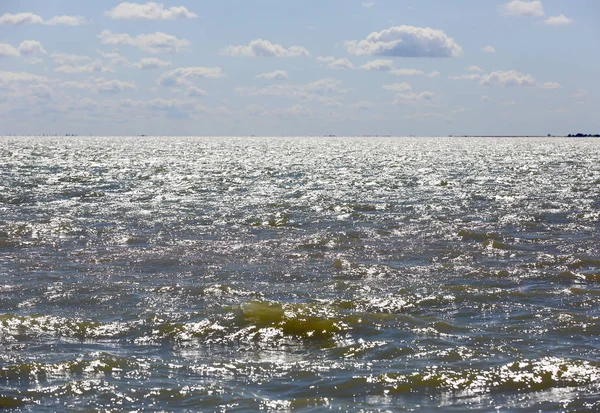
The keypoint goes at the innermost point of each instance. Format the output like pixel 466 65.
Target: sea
pixel 299 274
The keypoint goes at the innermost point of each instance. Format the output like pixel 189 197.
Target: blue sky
pixel 344 67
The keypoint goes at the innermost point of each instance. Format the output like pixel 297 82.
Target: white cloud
pixel 551 85
pixel 150 63
pixel 424 116
pixel 368 4
pixel 69 59
pixel 407 72
pixel 100 85
pixel 157 42
pixel 194 91
pixel 363 105
pixel 561 20
pixel 507 78
pixel 185 75
pixel 581 94
pixel 523 8
pixel 325 91
pixel 8 50
pixel 406 41
pixel 275 75
pixel 296 110
pixel 475 69
pixel 66 21
pixel 264 48
pixel 473 76
pixel 379 64
pixel 397 87
pixel 96 66
pixel 20 19
pixel 414 96
pixel 31 47
pixel 433 74
pixel 489 49
pixel 336 63
pixel 18 77
pixel 148 11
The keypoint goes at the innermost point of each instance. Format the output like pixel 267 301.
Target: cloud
pixel 185 75
pixel 8 50
pixel 31 47
pixel 336 63
pixel 475 69
pixel 26 48
pixel 473 76
pixel 551 85
pixel 424 116
pixel 581 94
pixel 19 77
pixel 489 49
pixel 368 4
pixel 414 96
pixel 485 99
pixel 523 8
pixel 148 11
pixel 561 20
pixel 264 48
pixel 276 75
pixel 96 66
pixel 194 91
pixel 66 21
pixel 379 64
pixel 363 105
pixel 157 42
pixel 407 72
pixel 406 41
pixel 397 87
pixel 21 19
pixel 433 74
pixel 150 63
pixel 69 59
pixel 325 91
pixel 507 78
pixel 100 85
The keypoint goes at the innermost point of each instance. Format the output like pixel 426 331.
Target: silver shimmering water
pixel 299 274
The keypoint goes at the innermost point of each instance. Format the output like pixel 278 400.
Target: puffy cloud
pixel 194 91
pixel 551 85
pixel 31 47
pixel 473 76
pixel 69 59
pixel 96 66
pixel 414 96
pixel 489 49
pixel 507 78
pixel 148 11
pixel 185 75
pixel 325 91
pixel 100 85
pixel 363 105
pixel 379 64
pixel 406 41
pixel 264 48
pixel 407 72
pixel 523 8
pixel 8 50
pixel 150 63
pixel 20 19
pixel 66 21
pixel 26 48
pixel 276 75
pixel 157 42
pixel 333 63
pixel 561 20
pixel 475 69
pixel 398 87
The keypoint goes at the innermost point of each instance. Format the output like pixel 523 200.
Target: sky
pixel 299 67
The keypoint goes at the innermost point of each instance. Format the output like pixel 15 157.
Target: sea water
pixel 299 274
